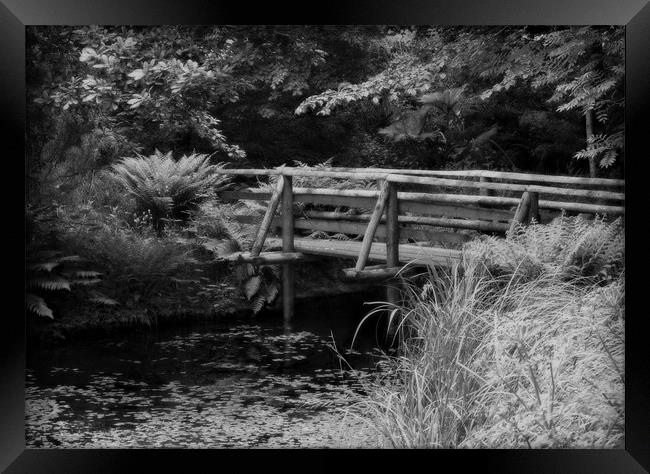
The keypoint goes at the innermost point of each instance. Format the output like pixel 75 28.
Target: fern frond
pixel 45 266
pixel 100 298
pixel 85 274
pixel 272 291
pixel 37 305
pixel 49 282
pixel 258 303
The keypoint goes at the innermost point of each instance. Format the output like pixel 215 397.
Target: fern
pixel 258 303
pixel 52 272
pixel 568 247
pixel 49 282
pixel 166 187
pixel 100 298
pixel 37 305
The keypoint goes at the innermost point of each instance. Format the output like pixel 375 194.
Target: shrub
pixel 568 247
pixel 136 266
pixel 167 188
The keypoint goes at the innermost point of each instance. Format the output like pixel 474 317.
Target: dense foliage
pixel 504 98
pixel 127 124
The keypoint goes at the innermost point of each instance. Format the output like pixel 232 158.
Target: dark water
pixel 242 383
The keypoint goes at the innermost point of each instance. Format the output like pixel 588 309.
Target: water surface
pixel 252 382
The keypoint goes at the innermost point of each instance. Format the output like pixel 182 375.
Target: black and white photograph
pixel 325 236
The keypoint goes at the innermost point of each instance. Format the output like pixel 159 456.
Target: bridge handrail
pixel 382 173
pixel 359 198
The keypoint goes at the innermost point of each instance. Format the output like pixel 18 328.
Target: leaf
pixel 258 304
pixel 252 286
pixel 101 298
pixel 271 292
pixel 85 281
pixel 137 74
pixel 37 305
pixel 45 266
pixel 50 282
pixel 86 274
pixel 87 54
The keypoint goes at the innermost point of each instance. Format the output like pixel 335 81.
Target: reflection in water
pixel 246 384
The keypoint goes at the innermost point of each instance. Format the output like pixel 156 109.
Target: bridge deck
pixel 351 248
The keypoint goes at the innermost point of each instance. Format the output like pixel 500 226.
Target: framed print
pixel 366 229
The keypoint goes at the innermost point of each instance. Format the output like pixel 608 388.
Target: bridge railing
pixel 464 199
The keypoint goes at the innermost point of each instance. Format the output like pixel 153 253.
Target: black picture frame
pixel 634 14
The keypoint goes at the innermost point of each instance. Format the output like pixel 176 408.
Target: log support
pixel 263 230
pixel 288 290
pixel 372 226
pixel 522 212
pixel 392 253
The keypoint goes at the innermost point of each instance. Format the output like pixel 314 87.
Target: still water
pixel 252 382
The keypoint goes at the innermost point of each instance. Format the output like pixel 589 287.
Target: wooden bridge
pixel 433 206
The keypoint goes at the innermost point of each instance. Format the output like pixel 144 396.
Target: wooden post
pixel 392 249
pixel 533 211
pixel 521 213
pixel 265 225
pixel 485 191
pixel 372 226
pixel 287 246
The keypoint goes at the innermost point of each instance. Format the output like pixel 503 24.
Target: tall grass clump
pixel 521 346
pixel 166 188
pixel 426 396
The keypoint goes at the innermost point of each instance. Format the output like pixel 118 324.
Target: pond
pixel 252 382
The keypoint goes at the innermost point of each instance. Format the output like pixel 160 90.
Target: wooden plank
pixel 350 249
pixel 380 173
pixel 266 258
pixel 303 172
pixel 265 225
pixel 582 207
pixel 375 272
pixel 356 227
pixel 288 287
pixel 369 235
pixel 368 200
pixel 464 212
pixel 394 178
pixel 503 175
pixel 419 220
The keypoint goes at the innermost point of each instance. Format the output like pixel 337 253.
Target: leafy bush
pixel 168 188
pixel 568 247
pixel 136 266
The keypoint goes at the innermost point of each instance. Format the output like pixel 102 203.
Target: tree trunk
pixel 589 127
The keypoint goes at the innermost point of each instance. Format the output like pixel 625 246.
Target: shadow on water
pixel 254 382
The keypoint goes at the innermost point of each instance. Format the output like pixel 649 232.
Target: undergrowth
pixel 521 346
